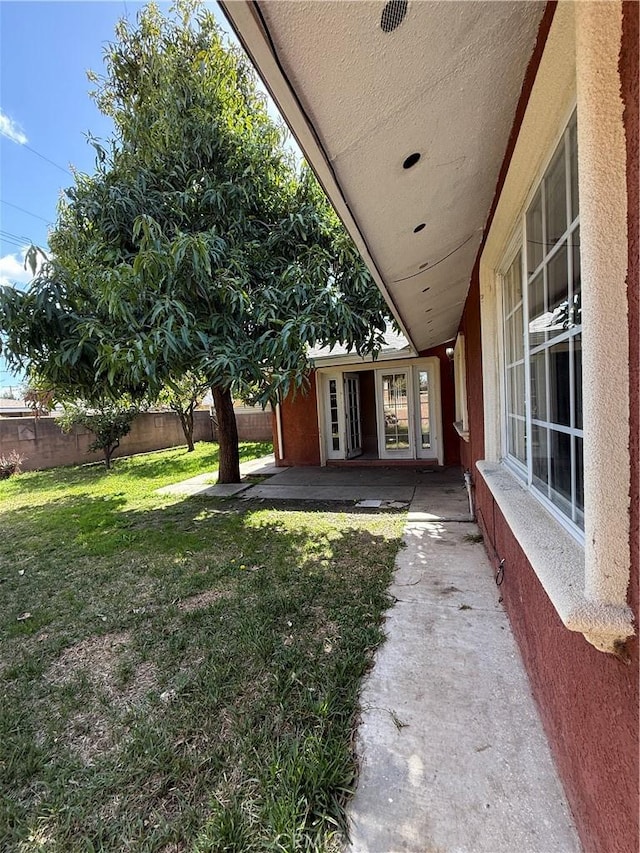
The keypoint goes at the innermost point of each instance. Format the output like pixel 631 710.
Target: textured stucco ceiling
pixel 445 83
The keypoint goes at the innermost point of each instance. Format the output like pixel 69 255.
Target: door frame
pixel 410 451
pixel 324 374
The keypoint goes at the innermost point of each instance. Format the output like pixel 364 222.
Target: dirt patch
pixel 201 600
pixel 99 659
pixel 102 661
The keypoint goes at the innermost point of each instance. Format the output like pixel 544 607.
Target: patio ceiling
pixel 443 84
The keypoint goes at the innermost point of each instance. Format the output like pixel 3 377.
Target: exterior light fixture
pixel 449 353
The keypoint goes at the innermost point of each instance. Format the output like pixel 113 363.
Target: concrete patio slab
pixel 313 492
pixel 453 756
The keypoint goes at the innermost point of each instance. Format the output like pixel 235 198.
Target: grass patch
pixel 187 678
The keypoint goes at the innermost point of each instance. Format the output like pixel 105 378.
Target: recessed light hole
pixel 411 160
pixel 423 266
pixel 419 227
pixel 393 15
pixel 424 289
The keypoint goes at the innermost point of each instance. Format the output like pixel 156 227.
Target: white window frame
pixel 461 423
pixel 587 583
pixel 571 519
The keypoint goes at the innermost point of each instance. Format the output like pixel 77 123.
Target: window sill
pixel 463 433
pixel 558 561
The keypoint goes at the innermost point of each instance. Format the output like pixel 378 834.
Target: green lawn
pixel 180 674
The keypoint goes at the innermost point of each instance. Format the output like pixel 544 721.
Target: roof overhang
pixel 445 84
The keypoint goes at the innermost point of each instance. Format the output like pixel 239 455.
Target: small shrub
pixel 10 464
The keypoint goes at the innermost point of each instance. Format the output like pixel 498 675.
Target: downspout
pixel 468 481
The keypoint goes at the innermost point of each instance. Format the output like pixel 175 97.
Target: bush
pixel 10 464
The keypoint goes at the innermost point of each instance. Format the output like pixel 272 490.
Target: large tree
pixel 196 245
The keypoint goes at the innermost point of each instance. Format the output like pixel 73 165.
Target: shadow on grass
pixel 145 466
pixel 253 752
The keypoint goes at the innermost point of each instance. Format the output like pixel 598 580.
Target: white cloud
pixel 12 269
pixel 12 130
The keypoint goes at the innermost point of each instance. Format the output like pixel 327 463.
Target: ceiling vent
pixel 393 15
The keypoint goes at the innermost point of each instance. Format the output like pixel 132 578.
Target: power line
pixel 42 157
pixel 11 242
pixel 28 212
pixel 8 235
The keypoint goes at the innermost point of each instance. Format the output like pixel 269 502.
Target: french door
pixel 352 415
pixel 395 416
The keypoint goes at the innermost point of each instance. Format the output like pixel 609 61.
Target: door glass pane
pixel 333 414
pixel 559 386
pixel 396 413
pixel 425 422
pixel 556 199
pixel 534 234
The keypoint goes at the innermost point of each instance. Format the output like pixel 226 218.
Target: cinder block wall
pixel 44 445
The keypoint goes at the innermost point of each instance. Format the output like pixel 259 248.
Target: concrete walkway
pixel 452 754
pixel 205 484
pixel 453 758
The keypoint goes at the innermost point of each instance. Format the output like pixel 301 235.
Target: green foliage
pixel 182 396
pixel 196 244
pixel 109 422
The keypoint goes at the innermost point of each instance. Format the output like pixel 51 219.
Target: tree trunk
pixel 229 455
pixel 108 453
pixel 186 421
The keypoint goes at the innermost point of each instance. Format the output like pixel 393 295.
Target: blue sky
pixel 46 49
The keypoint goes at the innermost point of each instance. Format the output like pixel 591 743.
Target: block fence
pixel 43 444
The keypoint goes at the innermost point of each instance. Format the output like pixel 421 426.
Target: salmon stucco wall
pixel 300 434
pixel 588 700
pixel 630 80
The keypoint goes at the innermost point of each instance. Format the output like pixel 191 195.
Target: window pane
pixel 515 379
pixel 561 469
pixel 559 384
pixel 573 157
pixel 577 369
pixel 534 234
pixel 558 292
pixel 539 457
pixel 538 319
pixel 518 335
pixel 576 314
pixel 579 475
pixel 556 199
pixel 517 439
pixel 539 386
